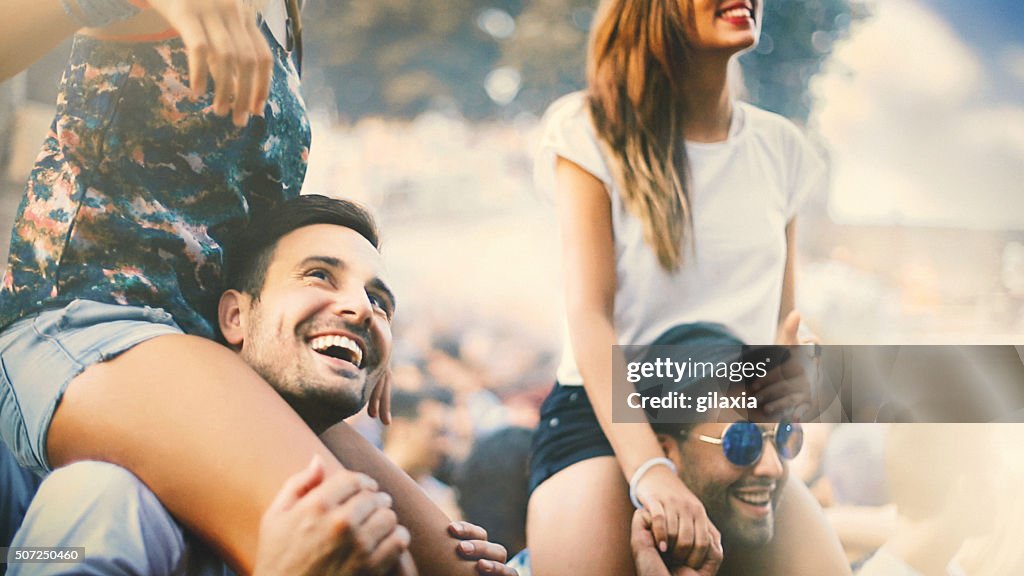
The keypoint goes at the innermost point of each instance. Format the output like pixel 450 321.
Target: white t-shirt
pixel 744 192
pixel 275 13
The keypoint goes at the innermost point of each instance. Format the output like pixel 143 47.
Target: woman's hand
pixel 490 557
pixel 223 42
pixel 680 525
pixel 785 392
pixel 649 562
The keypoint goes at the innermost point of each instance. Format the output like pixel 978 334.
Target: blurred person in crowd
pixel 404 376
pixel 677 204
pixel 491 485
pixel 483 407
pixel 177 122
pixel 309 310
pixel 843 465
pixel 417 441
pixel 943 480
pixel 853 490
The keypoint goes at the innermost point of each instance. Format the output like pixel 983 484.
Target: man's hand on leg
pixel 338 524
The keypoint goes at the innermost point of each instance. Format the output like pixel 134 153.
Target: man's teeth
pixel 740 12
pixel 323 343
pixel 754 498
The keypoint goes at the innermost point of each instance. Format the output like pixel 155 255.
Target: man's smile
pixel 338 347
pixel 754 500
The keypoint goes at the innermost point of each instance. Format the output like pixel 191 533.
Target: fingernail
pixel 663 546
pixel 466 547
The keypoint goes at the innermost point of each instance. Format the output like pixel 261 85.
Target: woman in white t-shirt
pixel 677 206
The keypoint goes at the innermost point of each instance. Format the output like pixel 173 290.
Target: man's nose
pixel 770 465
pixel 353 304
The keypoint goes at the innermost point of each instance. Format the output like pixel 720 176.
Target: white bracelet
pixel 640 474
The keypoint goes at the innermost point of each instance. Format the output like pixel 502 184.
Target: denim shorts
pixel 41 354
pixel 568 433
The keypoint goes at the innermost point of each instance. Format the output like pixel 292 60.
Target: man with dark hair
pixel 492 485
pixel 250 254
pixel 310 310
pixel 308 306
pixel 738 471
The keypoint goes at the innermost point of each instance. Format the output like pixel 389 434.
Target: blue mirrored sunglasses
pixel 743 442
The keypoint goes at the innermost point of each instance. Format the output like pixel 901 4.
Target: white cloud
pixel 910 138
pixel 1013 61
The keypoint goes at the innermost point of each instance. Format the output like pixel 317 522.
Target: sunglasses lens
pixel 789 438
pixel 742 443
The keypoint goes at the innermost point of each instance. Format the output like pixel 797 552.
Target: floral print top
pixel 139 186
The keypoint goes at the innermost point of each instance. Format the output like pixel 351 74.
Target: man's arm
pixel 338 524
pixel 30 29
pixel 433 547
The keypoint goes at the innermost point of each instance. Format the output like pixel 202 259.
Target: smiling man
pixel 310 310
pixel 739 473
pixel 309 307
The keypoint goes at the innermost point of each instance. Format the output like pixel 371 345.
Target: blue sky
pixel 992 27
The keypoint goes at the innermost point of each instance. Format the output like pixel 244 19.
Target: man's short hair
pixel 250 254
pixel 405 404
pixel 678 430
pixel 492 486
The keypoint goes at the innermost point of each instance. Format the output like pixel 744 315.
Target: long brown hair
pixel 635 68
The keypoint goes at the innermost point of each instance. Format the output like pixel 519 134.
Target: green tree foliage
pixel 402 57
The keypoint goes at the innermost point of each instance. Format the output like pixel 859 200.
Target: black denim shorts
pixel 568 433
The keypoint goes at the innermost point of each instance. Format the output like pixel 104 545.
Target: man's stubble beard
pixel 735 530
pixel 295 380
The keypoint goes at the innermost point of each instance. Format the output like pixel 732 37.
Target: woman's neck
pixel 707 100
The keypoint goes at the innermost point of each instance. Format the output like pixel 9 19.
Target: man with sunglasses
pixel 738 471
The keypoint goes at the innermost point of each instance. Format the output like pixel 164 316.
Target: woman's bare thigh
pixel 212 439
pixel 578 522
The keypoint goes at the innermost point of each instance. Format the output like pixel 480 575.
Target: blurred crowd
pixel 465 401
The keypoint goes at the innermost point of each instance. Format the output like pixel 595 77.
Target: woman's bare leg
pixel 198 426
pixel 431 546
pixel 578 522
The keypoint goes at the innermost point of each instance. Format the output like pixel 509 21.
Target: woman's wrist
pixel 642 471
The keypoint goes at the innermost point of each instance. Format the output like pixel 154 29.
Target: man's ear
pixel 670 447
pixel 231 316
